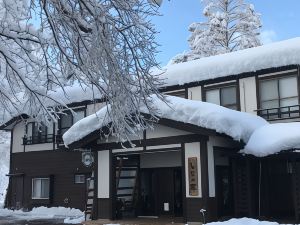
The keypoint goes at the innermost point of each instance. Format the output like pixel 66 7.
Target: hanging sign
pixel 193 176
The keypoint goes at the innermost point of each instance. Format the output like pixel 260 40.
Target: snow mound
pixel 74 220
pixel 238 125
pixel 277 54
pixel 70 215
pixel 273 138
pixel 243 221
pixel 4 164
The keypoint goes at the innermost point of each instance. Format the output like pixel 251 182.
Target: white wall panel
pixel 248 95
pixel 103 174
pixel 193 150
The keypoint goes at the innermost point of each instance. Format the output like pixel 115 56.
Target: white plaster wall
pixel 215 142
pixel 248 95
pixel 39 147
pixel 92 108
pixel 163 146
pixel 18 134
pixel 163 131
pixel 161 159
pixel 103 174
pixel 192 150
pixel 195 93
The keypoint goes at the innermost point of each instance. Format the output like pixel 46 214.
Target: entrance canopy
pixel 237 125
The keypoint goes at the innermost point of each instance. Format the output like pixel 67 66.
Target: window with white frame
pixel 40 188
pixel 225 96
pixel 277 93
pixel 79 178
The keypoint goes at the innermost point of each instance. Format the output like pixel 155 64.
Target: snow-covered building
pixel 191 159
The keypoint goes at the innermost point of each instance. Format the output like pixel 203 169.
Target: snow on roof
pixel 273 138
pixel 273 55
pixel 74 93
pixel 238 125
pixel 69 94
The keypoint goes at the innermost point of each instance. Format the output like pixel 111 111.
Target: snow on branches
pixel 105 45
pixel 231 25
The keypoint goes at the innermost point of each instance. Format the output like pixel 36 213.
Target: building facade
pixel 175 170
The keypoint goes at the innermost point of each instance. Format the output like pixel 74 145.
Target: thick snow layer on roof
pixel 236 124
pixel 277 54
pixel 69 94
pixel 273 138
pixel 74 93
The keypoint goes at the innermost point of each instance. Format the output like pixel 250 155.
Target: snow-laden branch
pixel 106 45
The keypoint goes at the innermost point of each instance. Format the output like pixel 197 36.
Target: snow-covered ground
pixel 243 221
pixel 70 216
pixel 4 164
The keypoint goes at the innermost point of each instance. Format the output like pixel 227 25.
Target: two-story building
pixel 189 161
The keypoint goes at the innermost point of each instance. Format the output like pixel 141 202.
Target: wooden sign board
pixel 193 176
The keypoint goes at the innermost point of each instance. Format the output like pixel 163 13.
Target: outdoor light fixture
pixel 156 2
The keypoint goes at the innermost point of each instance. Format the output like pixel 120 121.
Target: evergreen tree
pixel 231 25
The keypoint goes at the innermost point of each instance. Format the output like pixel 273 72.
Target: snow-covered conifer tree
pixel 231 25
pixel 105 45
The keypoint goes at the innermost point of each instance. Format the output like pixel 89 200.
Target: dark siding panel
pixel 104 208
pixel 61 167
pixel 193 207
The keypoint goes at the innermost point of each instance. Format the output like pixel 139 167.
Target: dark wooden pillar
pixel 296 189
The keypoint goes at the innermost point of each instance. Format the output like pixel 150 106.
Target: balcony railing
pixel 40 139
pixel 286 112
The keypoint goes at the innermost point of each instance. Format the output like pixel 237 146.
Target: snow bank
pixel 273 138
pixel 249 60
pixel 238 125
pixel 4 164
pixel 74 220
pixel 73 216
pixel 243 221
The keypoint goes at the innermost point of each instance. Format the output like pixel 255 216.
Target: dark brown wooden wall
pixel 61 166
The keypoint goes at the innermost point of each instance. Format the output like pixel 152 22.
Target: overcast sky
pixel 280 18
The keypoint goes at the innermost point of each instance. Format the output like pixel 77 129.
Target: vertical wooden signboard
pixel 193 176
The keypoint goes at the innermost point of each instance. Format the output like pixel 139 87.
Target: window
pixel 40 188
pixel 278 95
pixel 68 119
pixel 38 133
pixel 224 96
pixel 79 178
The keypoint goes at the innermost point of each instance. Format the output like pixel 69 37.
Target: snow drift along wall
pixel 4 164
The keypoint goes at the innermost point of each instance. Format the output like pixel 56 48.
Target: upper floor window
pixel 225 96
pixel 279 97
pixel 38 133
pixel 68 119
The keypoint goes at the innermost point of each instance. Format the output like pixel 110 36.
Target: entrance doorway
pixel 17 192
pixel 148 185
pixel 224 184
pixel 161 192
